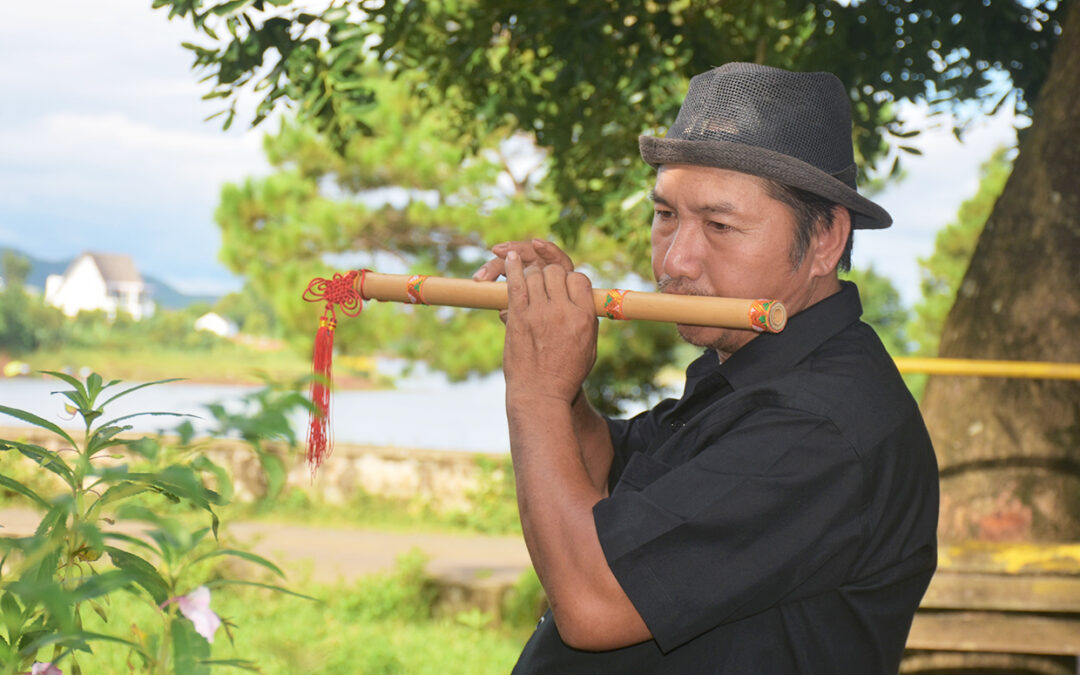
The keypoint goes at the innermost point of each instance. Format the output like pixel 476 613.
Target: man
pixel 780 517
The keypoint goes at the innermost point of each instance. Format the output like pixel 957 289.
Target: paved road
pixel 331 555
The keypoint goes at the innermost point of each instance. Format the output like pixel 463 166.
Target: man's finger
pixel 496 267
pixel 535 283
pixel 555 282
pixel 579 288
pixel 490 271
pixel 517 293
pixel 552 254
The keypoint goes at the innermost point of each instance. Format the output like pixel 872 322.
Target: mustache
pixel 678 286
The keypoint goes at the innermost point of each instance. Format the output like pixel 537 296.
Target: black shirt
pixel 779 518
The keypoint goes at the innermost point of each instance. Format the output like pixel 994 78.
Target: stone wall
pixel 443 479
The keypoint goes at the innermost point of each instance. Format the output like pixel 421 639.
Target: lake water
pixel 423 411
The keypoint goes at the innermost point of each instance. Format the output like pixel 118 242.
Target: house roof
pixel 114 267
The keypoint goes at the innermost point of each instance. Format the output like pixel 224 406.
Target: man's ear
pixel 828 245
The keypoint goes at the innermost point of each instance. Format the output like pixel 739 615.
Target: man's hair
pixel 813 215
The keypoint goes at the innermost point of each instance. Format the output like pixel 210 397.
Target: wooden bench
pixel 995 606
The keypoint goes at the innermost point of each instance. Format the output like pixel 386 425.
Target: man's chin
pixel 721 340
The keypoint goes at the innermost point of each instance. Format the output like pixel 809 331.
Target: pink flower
pixel 40 668
pixel 196 607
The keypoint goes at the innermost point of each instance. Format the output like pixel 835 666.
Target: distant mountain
pixel 161 293
pixel 169 298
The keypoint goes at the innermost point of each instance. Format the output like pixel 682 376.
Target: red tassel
pixel 341 291
pixel 320 435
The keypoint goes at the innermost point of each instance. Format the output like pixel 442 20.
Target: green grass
pixel 226 362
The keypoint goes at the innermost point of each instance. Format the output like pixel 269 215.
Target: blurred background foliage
pixel 417 134
pixel 585 78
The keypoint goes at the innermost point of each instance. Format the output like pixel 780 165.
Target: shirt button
pixel 676 424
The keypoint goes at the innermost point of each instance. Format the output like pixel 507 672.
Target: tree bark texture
pixel 1009 449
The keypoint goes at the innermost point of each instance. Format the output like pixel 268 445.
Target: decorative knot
pixel 341 290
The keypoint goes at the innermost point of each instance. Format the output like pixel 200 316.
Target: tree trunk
pixel 1009 449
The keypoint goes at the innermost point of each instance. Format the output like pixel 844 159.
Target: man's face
pixel 717 232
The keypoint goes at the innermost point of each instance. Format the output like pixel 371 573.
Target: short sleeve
pixel 767 510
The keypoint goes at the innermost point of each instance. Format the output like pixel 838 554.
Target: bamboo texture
pixel 746 314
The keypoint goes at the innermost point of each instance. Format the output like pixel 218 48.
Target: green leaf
pixel 103 584
pixel 178 482
pixel 93 386
pixel 134 541
pixel 229 7
pixel 270 587
pixel 190 650
pixel 224 480
pixel 243 664
pixel 257 559
pixel 141 572
pixel 275 473
pixel 56 517
pixel 47 459
pixel 146 447
pixel 37 422
pixel 78 639
pixel 138 387
pixel 103 438
pixel 115 493
pixel 74 382
pixel 16 486
pixel 30 637
pixel 112 422
pixel 13 615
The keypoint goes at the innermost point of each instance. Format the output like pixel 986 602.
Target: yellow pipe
pixel 980 368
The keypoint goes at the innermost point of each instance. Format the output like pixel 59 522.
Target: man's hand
pixel 550 330
pixel 534 253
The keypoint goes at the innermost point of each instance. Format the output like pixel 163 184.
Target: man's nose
pixel 683 256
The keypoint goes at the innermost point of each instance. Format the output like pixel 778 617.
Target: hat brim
pixel 767 164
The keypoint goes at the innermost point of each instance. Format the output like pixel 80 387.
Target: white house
pixel 105 281
pixel 215 323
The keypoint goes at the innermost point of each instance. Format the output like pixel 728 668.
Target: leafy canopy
pixel 586 77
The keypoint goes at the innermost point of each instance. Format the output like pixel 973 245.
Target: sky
pixel 104 147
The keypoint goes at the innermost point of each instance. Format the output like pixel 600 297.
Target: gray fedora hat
pixel 794 128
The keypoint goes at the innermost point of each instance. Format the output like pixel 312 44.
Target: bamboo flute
pixel 759 315
pixel 347 292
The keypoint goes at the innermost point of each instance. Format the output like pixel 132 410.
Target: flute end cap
pixel 776 317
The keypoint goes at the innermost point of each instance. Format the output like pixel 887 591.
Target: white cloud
pixel 110 169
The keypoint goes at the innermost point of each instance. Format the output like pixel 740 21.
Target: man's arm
pixel 550 348
pixel 594 441
pixel 590 428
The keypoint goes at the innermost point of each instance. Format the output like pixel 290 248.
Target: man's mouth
pixel 678 287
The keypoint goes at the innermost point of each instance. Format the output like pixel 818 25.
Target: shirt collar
pixel 771 353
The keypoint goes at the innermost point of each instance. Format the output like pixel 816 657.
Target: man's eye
pixel 660 213
pixel 718 226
